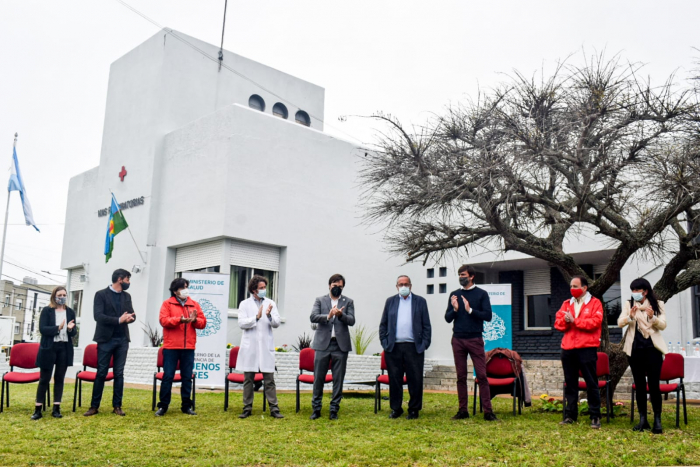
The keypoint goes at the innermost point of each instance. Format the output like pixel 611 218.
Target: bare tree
pixel 590 148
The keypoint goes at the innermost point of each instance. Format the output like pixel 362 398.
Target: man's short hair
pixel 584 281
pixel 254 282
pixel 336 278
pixel 469 269
pixel 177 284
pixel 120 274
pixel 403 275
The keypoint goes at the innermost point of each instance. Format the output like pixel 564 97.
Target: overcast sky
pixel 407 58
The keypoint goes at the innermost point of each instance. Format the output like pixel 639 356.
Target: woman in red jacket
pixel 580 319
pixel 180 317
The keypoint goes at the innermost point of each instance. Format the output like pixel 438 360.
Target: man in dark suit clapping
pixel 113 312
pixel 405 333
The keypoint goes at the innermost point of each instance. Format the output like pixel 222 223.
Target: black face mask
pixel 335 291
pixel 125 286
pixel 464 281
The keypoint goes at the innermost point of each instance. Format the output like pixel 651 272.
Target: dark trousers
pixel 60 350
pixel 171 357
pixel 474 348
pixel 321 361
pixel 647 362
pixel 249 391
pixel 405 359
pixel 585 361
pixel 116 347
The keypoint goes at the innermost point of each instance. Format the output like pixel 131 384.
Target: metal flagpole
pixel 7 212
pixel 129 229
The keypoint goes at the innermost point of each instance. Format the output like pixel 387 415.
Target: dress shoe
pixel 568 421
pixel 490 417
pixel 642 425
pixel 334 416
pixel 189 411
pixel 460 415
pixel 91 411
pixel 595 423
pixel 396 413
pixel 657 430
pixel 37 413
pixel 276 414
pixel 118 411
pixel 315 415
pixel 245 414
pixel 412 415
pixel 56 412
pixel 161 411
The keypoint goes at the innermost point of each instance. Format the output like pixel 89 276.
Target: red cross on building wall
pixel 122 174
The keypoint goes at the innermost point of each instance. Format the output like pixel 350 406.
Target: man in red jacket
pixel 580 319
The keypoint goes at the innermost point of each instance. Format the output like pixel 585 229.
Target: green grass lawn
pixel 360 437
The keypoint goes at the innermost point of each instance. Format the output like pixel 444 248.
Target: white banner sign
pixel 211 291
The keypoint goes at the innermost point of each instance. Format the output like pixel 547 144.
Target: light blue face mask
pixel 262 293
pixel 637 296
pixel 404 291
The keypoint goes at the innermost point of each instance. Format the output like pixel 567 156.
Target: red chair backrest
pixel 499 367
pixel 90 357
pixel 160 359
pixel 24 355
pixel 306 359
pixel 382 366
pixel 673 367
pixel 233 357
pixel 602 367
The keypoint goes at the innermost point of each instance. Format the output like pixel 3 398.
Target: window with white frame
pixel 537 290
pixel 240 276
pixel 16 328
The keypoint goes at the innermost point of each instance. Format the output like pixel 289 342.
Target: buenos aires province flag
pixel 116 224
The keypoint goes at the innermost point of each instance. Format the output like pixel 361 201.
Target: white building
pixel 232 172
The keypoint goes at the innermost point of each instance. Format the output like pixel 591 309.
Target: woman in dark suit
pixel 57 327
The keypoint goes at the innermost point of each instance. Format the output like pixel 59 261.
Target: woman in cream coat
pixel 645 318
pixel 257 315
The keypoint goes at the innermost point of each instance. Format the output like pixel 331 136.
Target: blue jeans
pixel 170 359
pixel 116 347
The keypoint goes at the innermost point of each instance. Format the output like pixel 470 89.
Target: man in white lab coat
pixel 257 315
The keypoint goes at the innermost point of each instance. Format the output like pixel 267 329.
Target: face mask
pixel 576 293
pixel 638 297
pixel 335 291
pixel 262 293
pixel 60 300
pixel 125 286
pixel 184 293
pixel 404 291
pixel 464 281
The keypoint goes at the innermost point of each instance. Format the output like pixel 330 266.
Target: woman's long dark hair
pixel 643 284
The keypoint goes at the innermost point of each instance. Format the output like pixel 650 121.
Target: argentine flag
pixel 16 184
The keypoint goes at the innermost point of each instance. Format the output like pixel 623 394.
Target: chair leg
pixel 563 398
pixel 2 396
pixel 75 394
pixel 379 396
pixel 609 399
pixel 264 397
pixel 226 396
pixel 153 400
pixel 7 390
pixel 685 411
pixel 376 388
pixel 194 393
pixel 80 393
pixel 297 395
pixel 678 407
pixel 632 405
pixel 515 396
pixel 474 401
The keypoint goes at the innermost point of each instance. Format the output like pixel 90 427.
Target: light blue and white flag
pixel 16 184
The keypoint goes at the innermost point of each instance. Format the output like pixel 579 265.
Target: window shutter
pixel 75 282
pixel 201 255
pixel 255 255
pixel 537 282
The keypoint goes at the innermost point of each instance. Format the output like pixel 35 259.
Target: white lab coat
pixel 257 352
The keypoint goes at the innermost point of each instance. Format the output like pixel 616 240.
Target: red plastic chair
pixel 306 363
pixel 158 376
pixel 673 367
pixel 502 380
pixel 602 371
pixel 238 378
pixel 89 361
pixel 22 356
pixel 382 379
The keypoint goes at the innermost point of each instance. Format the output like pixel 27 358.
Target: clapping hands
pixel 335 311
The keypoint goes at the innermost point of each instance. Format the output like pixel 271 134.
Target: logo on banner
pixel 213 316
pixel 494 329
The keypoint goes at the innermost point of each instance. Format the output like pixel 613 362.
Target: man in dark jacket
pixel 113 312
pixel 468 308
pixel 405 332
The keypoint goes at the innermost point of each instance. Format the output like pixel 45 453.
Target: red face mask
pixel 576 293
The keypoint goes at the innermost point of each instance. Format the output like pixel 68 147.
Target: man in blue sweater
pixel 468 308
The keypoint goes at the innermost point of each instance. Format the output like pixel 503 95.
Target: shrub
pixel 361 338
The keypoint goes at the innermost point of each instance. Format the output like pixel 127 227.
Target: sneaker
pixel 595 423
pixel 460 415
pixel 568 421
pixel 491 417
pixel 91 411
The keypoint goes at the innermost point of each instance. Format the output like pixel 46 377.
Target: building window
pixel 7 300
pixel 431 273
pixel 443 272
pixel 238 287
pixel 16 328
pixel 256 102
pixel 443 288
pixel 303 118
pixel 76 301
pixel 19 304
pixel 279 110
pixel 431 289
pixel 537 290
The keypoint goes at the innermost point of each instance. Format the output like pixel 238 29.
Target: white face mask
pixel 638 297
pixel 184 293
pixel 404 291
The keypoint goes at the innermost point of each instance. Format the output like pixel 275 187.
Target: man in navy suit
pixel 404 332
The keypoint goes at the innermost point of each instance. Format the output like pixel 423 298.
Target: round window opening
pixel 256 102
pixel 303 118
pixel 279 110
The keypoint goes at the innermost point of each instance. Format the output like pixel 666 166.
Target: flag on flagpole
pixel 116 224
pixel 16 184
